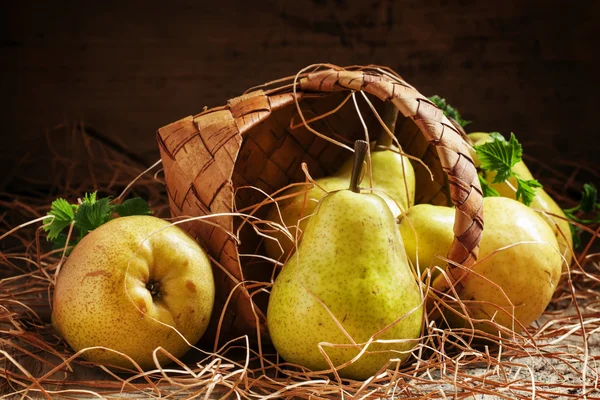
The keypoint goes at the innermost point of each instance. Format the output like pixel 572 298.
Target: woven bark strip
pixel 212 159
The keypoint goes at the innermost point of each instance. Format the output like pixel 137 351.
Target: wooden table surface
pixel 128 68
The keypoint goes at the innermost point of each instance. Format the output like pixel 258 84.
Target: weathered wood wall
pixel 128 68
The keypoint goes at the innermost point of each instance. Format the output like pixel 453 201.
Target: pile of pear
pixel 350 293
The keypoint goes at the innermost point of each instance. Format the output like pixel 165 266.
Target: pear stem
pixel 389 118
pixel 360 153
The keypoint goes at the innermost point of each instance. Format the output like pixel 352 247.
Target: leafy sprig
pixel 500 156
pixel 63 213
pixel 92 214
pixel 86 215
pixel 487 190
pixel 589 205
pixel 526 189
pixel 448 110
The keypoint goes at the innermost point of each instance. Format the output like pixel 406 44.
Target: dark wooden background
pixel 130 67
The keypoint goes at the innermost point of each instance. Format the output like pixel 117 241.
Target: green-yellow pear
pixel 518 267
pixel 295 211
pixel 127 286
pixel 427 234
pixel 348 281
pixel 541 201
pixel 393 177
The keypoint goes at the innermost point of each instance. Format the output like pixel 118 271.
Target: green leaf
pixel 90 215
pixel 61 242
pixel 487 190
pixel 500 156
pixel 90 197
pixel 497 136
pixel 134 206
pixel 575 233
pixel 59 217
pixel 526 190
pixel 588 204
pixel 589 198
pixel 448 110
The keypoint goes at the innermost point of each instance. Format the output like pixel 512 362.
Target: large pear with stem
pixel 393 178
pixel 348 286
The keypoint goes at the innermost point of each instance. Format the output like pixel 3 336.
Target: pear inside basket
pixel 232 159
pixel 280 151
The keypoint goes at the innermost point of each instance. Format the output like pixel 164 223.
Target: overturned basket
pixel 217 163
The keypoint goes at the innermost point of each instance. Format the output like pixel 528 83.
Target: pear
pixel 541 201
pixel 518 255
pixel 393 178
pixel 132 285
pixel 393 175
pixel 349 278
pixel 295 211
pixel 427 234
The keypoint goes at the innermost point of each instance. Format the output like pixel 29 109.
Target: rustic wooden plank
pixel 129 68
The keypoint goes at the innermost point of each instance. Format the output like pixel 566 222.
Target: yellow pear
pixel 128 286
pixel 391 176
pixel 427 234
pixel 393 179
pixel 351 268
pixel 295 212
pixel 518 267
pixel 541 201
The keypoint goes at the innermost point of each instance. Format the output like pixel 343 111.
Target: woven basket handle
pixel 204 154
pixel 465 190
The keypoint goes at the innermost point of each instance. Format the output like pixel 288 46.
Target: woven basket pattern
pixel 212 160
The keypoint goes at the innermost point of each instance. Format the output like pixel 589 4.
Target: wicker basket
pixel 215 161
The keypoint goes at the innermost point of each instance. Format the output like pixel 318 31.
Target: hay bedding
pixel 556 358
